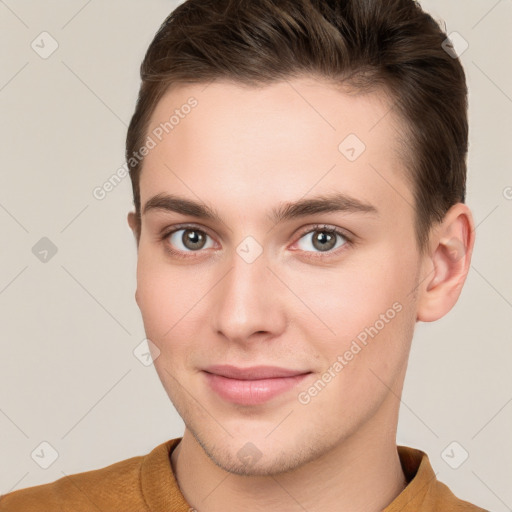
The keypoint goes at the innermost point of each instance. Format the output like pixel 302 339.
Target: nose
pixel 249 302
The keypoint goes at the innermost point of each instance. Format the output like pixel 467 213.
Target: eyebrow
pixel 327 203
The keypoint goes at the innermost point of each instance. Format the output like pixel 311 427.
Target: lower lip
pixel 251 392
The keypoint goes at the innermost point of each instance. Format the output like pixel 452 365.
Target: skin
pixel 243 151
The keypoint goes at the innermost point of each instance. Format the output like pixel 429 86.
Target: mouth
pixel 254 385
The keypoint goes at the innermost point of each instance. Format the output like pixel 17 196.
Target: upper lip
pixel 252 372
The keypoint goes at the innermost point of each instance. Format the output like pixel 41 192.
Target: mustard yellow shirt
pixel 147 484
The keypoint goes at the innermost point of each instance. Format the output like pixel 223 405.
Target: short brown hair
pixel 391 45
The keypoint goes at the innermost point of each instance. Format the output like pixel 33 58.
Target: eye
pixel 323 239
pixel 187 239
pixel 184 241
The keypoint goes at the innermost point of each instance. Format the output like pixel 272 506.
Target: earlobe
pixel 448 264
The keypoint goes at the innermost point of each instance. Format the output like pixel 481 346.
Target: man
pixel 298 170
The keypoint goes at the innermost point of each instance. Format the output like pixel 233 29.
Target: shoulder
pixel 444 499
pixel 117 485
pixel 424 491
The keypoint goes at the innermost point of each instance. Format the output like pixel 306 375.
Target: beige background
pixel 68 375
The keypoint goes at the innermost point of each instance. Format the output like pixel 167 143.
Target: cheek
pixel 370 313
pixel 163 313
pixel 170 301
pixel 354 296
pixel 373 324
pixel 157 294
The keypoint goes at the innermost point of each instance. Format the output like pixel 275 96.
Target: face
pixel 322 289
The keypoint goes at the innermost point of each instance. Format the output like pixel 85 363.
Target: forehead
pixel 251 145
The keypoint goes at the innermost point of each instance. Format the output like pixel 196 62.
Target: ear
pixel 134 224
pixel 135 227
pixel 447 263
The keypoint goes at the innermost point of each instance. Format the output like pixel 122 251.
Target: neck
pixel 360 473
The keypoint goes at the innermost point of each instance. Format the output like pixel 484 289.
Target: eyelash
pixel 315 255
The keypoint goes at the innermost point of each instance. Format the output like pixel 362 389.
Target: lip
pixel 254 385
pixel 252 372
